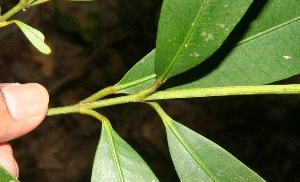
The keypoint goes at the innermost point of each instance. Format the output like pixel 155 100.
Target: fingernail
pixel 26 100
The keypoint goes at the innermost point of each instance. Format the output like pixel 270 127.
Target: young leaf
pixel 6 176
pixel 115 160
pixel 140 76
pixel 199 159
pixel 34 36
pixel 190 31
pixel 268 52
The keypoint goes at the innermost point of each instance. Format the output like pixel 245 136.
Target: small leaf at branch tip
pixel 34 36
pixel 48 52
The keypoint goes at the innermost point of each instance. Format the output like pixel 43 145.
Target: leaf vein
pixel 191 151
pixel 268 30
pixel 196 20
pixel 114 153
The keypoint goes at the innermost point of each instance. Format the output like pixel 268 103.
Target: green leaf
pixel 6 176
pixel 115 160
pixel 268 52
pixel 190 31
pixel 252 63
pixel 34 36
pixel 140 76
pixel 199 159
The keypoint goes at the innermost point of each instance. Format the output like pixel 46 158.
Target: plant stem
pixel 64 110
pixel 138 97
pixel 98 95
pixel 177 94
pixel 96 115
pixel 225 91
pixel 159 111
pixel 116 88
pixel 21 5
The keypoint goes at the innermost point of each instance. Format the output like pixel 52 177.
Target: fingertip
pixel 7 159
pixel 44 96
pixel 22 108
pixel 26 101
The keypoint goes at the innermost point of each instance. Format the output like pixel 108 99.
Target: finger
pixel 22 108
pixel 7 159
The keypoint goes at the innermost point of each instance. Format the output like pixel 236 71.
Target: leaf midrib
pixel 135 82
pixel 114 153
pixel 194 23
pixel 190 151
pixel 268 30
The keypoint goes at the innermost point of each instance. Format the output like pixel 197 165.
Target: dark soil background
pixel 261 131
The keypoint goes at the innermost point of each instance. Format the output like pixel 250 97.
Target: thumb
pixel 22 108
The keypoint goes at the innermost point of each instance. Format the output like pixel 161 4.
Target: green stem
pixel 138 97
pixel 176 94
pixel 98 95
pixel 225 91
pixel 95 114
pixel 159 111
pixel 20 6
pixel 116 88
pixel 64 110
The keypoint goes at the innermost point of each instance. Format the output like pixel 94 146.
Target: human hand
pixel 22 108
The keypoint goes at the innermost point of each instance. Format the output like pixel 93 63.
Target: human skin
pixel 22 108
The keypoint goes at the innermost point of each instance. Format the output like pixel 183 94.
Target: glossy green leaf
pixel 140 76
pixel 133 81
pixel 34 36
pixel 115 160
pixel 6 176
pixel 270 56
pixel 268 52
pixel 190 31
pixel 199 159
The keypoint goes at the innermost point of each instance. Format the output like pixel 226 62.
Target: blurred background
pixel 93 45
